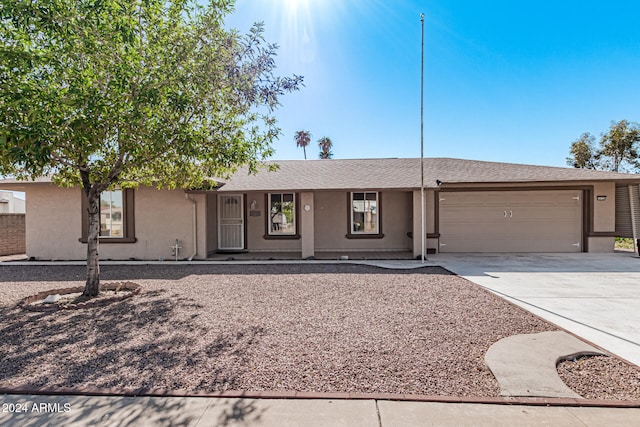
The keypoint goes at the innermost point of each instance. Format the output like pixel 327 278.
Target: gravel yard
pixel 324 328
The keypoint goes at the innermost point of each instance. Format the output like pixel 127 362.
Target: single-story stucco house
pixel 310 207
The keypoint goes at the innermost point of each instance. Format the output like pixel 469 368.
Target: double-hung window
pixel 111 214
pixel 365 218
pixel 117 224
pixel 282 214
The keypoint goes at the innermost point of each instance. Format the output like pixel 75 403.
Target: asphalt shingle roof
pixel 336 174
pixel 339 174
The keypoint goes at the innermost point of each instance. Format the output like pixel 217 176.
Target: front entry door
pixel 230 222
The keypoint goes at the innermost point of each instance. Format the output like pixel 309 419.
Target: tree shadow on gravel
pixel 143 343
pixel 37 273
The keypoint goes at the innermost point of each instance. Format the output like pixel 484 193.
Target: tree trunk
pixel 92 287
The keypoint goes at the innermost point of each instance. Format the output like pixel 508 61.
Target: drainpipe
pixel 633 202
pixel 195 226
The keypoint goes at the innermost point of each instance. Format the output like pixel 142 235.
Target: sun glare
pixel 304 25
pixel 297 29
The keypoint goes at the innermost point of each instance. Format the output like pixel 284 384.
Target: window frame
pixel 364 234
pixel 128 219
pixel 111 214
pixel 267 217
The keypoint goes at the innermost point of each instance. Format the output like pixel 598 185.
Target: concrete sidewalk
pixel 69 411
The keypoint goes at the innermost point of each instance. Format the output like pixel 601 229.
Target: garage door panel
pixel 460 213
pixel 508 245
pixel 475 229
pixel 546 214
pixel 511 221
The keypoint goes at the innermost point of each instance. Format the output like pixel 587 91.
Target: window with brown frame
pixel 364 215
pixel 116 217
pixel 282 216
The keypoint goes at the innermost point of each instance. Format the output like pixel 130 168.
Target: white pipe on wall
pixel 195 226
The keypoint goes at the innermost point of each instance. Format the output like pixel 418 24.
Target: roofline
pixel 553 181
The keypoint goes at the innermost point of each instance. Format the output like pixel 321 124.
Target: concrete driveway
pixel 595 296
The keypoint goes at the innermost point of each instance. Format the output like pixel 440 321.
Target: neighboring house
pixel 10 204
pixel 312 206
pixel 12 224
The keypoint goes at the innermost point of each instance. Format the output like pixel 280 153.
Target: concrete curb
pixel 386 264
pixel 298 395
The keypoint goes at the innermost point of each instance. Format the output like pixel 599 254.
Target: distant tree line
pixel 617 150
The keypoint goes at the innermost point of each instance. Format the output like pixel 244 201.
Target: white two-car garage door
pixel 511 221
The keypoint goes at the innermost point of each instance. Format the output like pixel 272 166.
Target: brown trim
pixel 379 234
pixel 282 237
pixel 267 214
pixel 532 188
pixel 429 235
pixel 587 218
pixel 128 206
pixel 602 234
pixel 364 236
pixel 436 215
pixel 244 221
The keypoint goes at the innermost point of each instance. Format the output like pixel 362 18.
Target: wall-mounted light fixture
pixel 254 204
pixel 601 198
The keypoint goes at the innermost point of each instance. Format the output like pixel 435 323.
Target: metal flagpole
pixel 422 227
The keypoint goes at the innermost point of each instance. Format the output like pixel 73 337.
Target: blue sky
pixel 508 81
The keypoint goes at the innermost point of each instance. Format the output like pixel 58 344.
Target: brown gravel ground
pixel 323 328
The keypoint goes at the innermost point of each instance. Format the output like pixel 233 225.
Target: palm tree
pixel 303 138
pixel 325 145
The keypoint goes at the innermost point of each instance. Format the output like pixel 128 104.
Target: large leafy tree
pixel 617 150
pixel 619 146
pixel 107 94
pixel 582 152
pixel 303 138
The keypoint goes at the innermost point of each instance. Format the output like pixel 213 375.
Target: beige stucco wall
pixel 53 221
pixel 430 227
pixel 604 212
pixel 54 225
pixel 604 217
pixel 212 224
pixel 601 244
pixel 257 228
pixel 307 224
pixel 332 222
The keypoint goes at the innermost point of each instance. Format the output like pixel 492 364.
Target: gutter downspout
pixel 633 202
pixel 195 225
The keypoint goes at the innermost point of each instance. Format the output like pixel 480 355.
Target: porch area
pixel 351 255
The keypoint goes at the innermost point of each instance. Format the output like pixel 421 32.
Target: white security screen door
pixel 230 222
